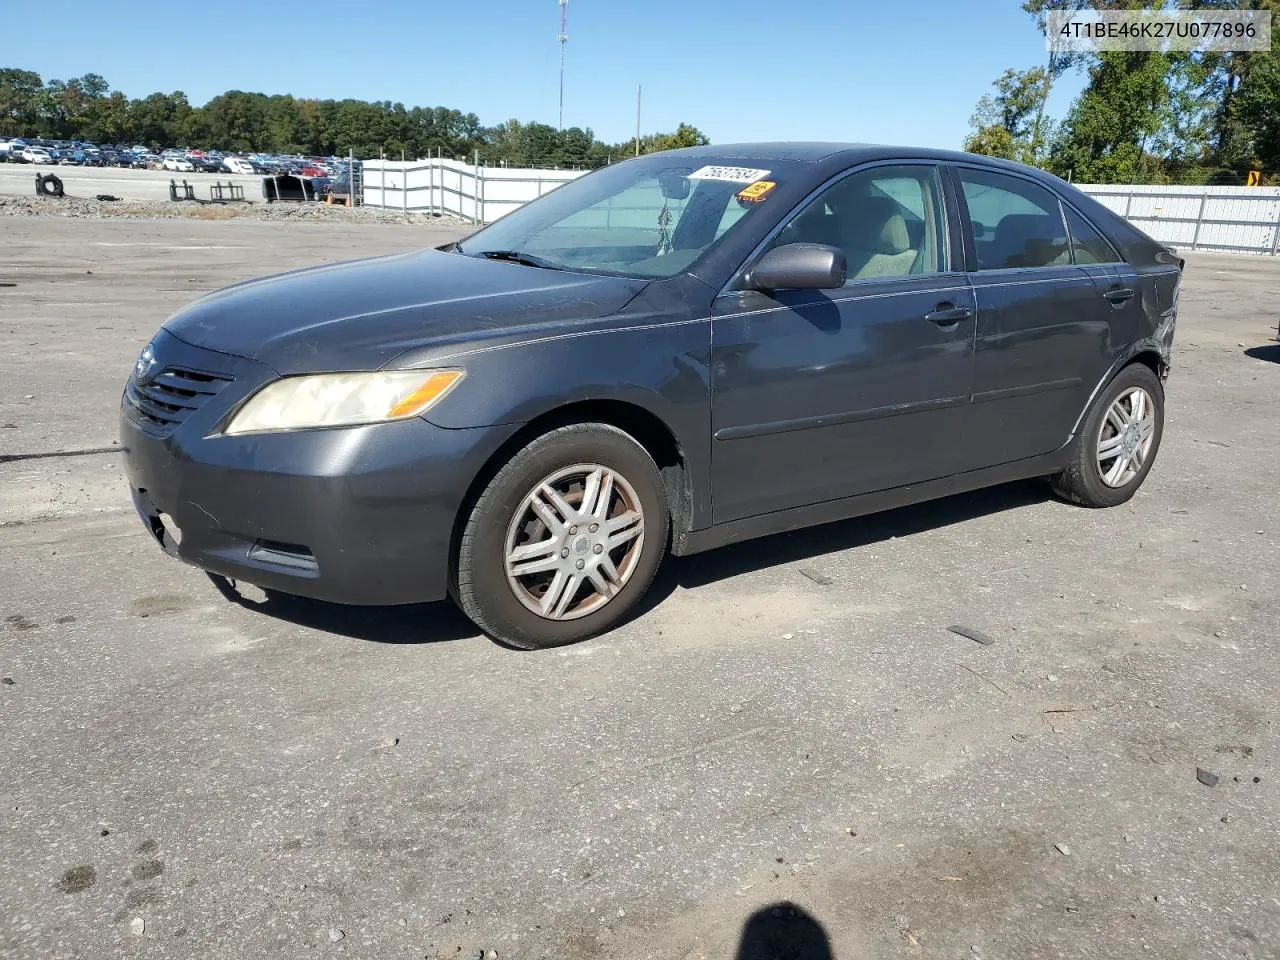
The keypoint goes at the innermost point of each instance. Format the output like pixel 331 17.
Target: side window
pixel 1087 244
pixel 889 221
pixel 1016 223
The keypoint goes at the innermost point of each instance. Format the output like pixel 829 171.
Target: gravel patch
pixel 166 209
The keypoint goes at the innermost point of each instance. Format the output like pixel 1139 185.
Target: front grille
pixel 164 402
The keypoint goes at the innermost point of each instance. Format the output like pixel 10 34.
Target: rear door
pixel 1043 325
pixel 1116 281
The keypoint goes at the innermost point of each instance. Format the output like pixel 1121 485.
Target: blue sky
pixel 907 73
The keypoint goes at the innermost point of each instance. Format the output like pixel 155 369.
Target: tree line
pixel 1143 117
pixel 86 108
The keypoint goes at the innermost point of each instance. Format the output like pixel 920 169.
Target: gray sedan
pixel 666 355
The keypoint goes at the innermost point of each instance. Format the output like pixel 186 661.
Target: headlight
pixel 341 399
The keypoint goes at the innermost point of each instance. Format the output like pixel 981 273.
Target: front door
pixel 818 395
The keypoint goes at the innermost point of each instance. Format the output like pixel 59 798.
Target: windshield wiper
pixel 515 256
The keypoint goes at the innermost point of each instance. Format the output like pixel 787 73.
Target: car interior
pixel 1021 240
pixel 880 236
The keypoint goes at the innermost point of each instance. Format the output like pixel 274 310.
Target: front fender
pixel 661 368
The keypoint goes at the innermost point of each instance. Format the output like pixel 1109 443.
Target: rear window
pixel 1087 244
pixel 1016 223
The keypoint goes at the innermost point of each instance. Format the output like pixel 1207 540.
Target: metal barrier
pixel 1226 219
pixel 441 187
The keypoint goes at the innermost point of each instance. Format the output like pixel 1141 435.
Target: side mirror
pixel 799 266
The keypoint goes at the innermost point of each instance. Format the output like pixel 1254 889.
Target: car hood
pixel 362 314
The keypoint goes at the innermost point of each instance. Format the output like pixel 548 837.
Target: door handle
pixel 1119 294
pixel 948 316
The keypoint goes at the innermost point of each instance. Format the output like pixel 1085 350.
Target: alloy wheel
pixel 1125 437
pixel 574 541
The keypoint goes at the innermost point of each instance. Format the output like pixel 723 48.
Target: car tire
pixel 1115 450
pixel 520 609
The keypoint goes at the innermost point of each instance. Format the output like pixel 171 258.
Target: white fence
pixel 1226 219
pixel 447 187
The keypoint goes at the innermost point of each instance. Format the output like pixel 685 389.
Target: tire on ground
pixel 48 185
pixel 480 586
pixel 1081 481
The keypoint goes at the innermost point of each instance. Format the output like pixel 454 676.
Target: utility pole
pixel 637 120
pixel 563 38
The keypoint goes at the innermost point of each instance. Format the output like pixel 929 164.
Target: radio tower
pixel 563 38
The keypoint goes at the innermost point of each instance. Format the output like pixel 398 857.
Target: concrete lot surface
pixel 19 179
pixel 787 746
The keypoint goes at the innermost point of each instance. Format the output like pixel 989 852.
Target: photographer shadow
pixel 783 931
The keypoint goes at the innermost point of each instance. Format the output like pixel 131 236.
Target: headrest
pixel 874 224
pixel 1021 227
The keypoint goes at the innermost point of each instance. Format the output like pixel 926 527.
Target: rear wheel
pixel 1117 443
pixel 564 540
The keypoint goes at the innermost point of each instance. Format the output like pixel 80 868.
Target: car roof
pixel 845 153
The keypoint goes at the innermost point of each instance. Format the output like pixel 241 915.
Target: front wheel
pixel 1117 442
pixel 564 540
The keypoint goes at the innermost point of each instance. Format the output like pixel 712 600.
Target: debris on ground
pixel 821 579
pixel 335 934
pixel 1063 849
pixel 1241 750
pixel 7 681
pixel 137 926
pixel 976 635
pixel 1207 777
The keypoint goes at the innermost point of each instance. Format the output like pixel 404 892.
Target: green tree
pixel 1257 108
pixel 85 107
pixel 1119 116
pixel 1007 123
pixel 20 101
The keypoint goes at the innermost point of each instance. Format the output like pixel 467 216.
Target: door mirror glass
pixel 800 266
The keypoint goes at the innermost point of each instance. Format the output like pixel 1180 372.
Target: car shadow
pixel 814 542
pixel 407 623
pixel 1270 353
pixel 442 621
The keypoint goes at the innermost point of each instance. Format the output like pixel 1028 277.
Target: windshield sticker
pixel 730 174
pixel 755 192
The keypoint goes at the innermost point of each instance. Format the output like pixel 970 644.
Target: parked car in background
pixel 177 164
pixel 238 165
pixel 37 155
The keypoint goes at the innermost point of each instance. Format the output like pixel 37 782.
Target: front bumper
pixel 360 515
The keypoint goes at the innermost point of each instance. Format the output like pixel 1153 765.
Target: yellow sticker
pixel 755 192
